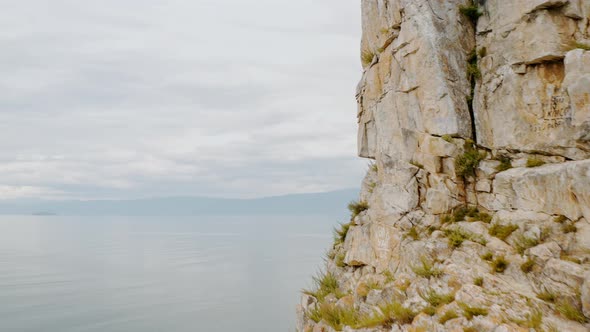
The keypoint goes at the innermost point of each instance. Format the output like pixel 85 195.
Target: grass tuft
pixel 502 231
pixel 534 162
pixel 367 57
pixel 478 281
pixel 571 312
pixel 356 207
pixel 457 236
pixel 339 260
pixel 325 285
pixel 499 264
pixel 488 256
pixel 466 164
pixel 522 243
pixel 447 138
pixel 547 296
pixel 560 219
pixel 471 11
pixel 340 233
pixel 470 312
pixel 426 269
pixel 413 233
pixel 585 47
pixel 447 316
pixel 569 228
pixel 527 266
pixel 505 164
pixel 335 316
pixel 435 299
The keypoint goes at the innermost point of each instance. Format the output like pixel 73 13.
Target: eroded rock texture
pixel 475 215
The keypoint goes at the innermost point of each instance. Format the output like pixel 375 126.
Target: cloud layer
pixel 138 98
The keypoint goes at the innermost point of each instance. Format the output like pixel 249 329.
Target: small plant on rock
pixel 426 269
pixel 569 228
pixel 447 316
pixel 522 243
pixel 578 45
pixel 527 266
pixel 505 164
pixel 560 219
pixel 340 233
pixel 466 164
pixel 547 296
pixel 413 233
pixel 356 208
pixel 570 311
pixel 335 316
pixel 534 162
pixel 325 285
pixel 447 138
pixel 435 299
pixel 478 281
pixel 339 260
pixel 488 256
pixel 502 231
pixel 471 11
pixel 470 312
pixel 367 57
pixel 499 264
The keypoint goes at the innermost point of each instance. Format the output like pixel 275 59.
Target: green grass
pixel 426 269
pixel 373 167
pixel 325 285
pixel 482 52
pixel 582 46
pixel 447 138
pixel 396 312
pixel 457 236
pixel 569 228
pixel 527 266
pixel 502 231
pixel 339 260
pixel 470 312
pixel 499 264
pixel 566 257
pixel 473 71
pixel 447 316
pixel 356 207
pixel 570 311
pixel 547 296
pixel 435 299
pixel 478 281
pixel 522 243
pixel 534 320
pixel 340 233
pixel 505 164
pixel 417 164
pixel 466 164
pixel 534 162
pixel 413 233
pixel 367 57
pixel 372 284
pixel 388 276
pixel 335 316
pixel 560 219
pixel 471 11
pixel 488 256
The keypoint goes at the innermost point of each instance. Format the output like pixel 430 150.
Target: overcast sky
pixel 143 98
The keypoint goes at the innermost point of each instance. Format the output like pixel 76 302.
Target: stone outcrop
pixel 475 214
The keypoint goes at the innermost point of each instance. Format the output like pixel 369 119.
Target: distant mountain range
pixel 296 204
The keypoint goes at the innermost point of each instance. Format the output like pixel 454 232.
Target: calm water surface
pixel 131 274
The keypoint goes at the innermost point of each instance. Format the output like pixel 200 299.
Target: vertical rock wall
pixel 477 117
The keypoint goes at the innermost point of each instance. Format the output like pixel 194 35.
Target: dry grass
pixel 502 231
pixel 447 316
pixel 426 269
pixel 534 162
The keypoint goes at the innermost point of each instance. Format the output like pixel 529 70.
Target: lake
pixel 130 274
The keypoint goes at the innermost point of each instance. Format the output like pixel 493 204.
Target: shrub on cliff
pixel 466 164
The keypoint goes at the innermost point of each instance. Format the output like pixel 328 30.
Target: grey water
pixel 67 274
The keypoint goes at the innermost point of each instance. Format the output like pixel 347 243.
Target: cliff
pixel 475 214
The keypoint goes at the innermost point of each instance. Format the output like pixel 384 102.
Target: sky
pixel 127 99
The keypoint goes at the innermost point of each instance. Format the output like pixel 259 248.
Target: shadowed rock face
pixel 479 128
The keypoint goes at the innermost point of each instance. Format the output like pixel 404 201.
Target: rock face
pixel 475 215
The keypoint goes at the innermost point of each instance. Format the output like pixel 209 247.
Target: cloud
pixel 144 98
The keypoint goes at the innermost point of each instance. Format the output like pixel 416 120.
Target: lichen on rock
pixel 456 232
